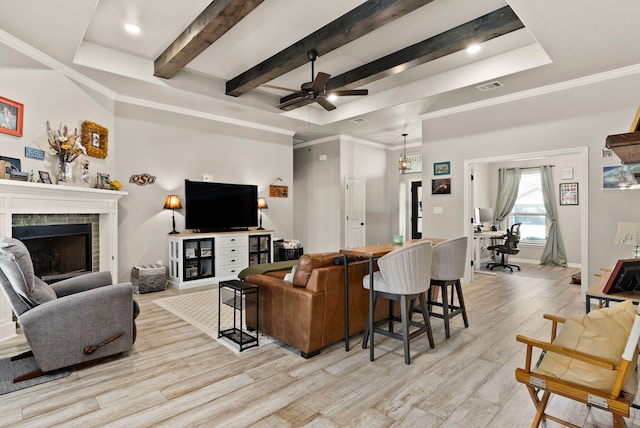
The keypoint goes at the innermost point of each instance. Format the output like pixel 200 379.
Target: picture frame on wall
pixel 635 125
pixel 621 177
pixel 95 139
pixel 441 186
pixel 568 193
pixel 11 117
pixel 442 168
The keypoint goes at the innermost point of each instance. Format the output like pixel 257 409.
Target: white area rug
pixel 200 309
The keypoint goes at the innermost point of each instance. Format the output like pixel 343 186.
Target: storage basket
pixel 290 253
pixel 148 278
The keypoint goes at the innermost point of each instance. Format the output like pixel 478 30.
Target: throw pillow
pixel 308 263
pixel 16 264
pixel 601 333
pixel 289 277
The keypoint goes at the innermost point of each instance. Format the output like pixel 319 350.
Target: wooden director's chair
pixel 612 399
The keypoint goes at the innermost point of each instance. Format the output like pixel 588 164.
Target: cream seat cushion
pixel 601 333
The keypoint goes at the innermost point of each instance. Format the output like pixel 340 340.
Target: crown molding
pixel 543 90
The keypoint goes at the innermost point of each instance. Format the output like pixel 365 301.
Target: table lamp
pixel 629 234
pixel 172 203
pixel 262 205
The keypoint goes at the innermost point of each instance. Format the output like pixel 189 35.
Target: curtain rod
pixel 533 167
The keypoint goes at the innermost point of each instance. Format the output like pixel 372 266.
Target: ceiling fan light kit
pixel 315 91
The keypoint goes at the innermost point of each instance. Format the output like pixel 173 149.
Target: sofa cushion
pixel 16 264
pixel 307 263
pixel 602 333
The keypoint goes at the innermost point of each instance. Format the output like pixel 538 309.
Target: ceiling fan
pixel 315 90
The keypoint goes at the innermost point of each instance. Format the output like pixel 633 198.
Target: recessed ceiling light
pixel 473 49
pixel 132 28
pixel 332 97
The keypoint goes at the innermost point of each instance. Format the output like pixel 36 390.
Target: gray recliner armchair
pixel 77 320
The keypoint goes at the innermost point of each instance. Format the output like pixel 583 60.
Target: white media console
pixel 197 259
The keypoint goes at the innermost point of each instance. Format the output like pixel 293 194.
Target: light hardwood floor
pixel 178 376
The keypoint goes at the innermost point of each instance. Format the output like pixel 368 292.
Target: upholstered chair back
pixel 449 259
pixel 407 270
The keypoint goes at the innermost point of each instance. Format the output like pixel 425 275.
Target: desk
pixel 481 236
pixel 371 252
pixel 595 292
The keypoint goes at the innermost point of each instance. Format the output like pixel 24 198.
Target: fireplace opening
pixel 58 251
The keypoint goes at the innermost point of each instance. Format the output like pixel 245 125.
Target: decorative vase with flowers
pixel 67 147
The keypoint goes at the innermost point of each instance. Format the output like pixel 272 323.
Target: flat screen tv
pixel 213 207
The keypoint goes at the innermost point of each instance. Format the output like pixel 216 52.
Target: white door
pixel 355 203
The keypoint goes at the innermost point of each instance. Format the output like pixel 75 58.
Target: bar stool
pixel 404 276
pixel 447 267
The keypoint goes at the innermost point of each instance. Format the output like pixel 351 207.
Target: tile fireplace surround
pixel 18 197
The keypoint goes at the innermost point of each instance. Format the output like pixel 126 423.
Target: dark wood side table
pixel 241 296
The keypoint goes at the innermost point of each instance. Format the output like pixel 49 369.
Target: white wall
pixel 319 207
pixel 370 162
pixel 49 96
pixel 174 148
pixel 169 146
pixel 576 117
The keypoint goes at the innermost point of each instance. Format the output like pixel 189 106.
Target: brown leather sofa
pixel 308 313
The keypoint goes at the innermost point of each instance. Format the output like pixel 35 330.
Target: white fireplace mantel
pixel 18 197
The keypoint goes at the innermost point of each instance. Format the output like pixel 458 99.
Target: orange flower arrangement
pixel 64 145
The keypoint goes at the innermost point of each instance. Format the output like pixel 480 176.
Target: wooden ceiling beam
pixel 494 24
pixel 362 20
pixel 218 18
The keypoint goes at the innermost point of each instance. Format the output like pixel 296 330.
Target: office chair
pixel 510 246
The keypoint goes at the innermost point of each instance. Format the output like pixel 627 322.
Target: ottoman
pixel 148 278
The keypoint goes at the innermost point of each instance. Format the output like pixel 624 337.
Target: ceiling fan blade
pixel 292 101
pixel 320 81
pixel 297 91
pixel 347 92
pixel 326 104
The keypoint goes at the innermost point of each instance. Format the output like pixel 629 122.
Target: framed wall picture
pixel 568 193
pixel 442 168
pixel 11 114
pixel 95 139
pixel 635 125
pixel 621 177
pixel 441 186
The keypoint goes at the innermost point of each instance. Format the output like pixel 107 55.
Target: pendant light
pixel 404 163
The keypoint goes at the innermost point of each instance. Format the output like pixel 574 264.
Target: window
pixel 529 209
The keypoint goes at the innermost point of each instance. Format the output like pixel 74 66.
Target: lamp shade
pixel 172 202
pixel 262 203
pixel 628 233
